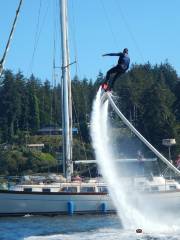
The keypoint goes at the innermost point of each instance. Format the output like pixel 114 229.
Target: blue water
pixel 82 227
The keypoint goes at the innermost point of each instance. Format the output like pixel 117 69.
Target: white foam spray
pixel 131 217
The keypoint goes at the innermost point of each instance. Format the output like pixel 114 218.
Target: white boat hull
pixel 20 203
pixel 168 201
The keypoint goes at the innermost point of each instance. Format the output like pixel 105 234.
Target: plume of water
pixel 130 215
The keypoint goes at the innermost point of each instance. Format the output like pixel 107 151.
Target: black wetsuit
pixel 120 68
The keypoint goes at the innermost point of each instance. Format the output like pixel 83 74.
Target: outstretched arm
pixel 112 54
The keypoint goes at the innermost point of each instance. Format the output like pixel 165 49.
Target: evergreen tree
pixel 45 102
pixel 34 119
pixel 157 120
pixel 10 105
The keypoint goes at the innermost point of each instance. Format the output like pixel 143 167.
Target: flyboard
pixel 107 95
pixel 104 90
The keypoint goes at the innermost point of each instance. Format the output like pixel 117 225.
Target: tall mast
pixel 66 95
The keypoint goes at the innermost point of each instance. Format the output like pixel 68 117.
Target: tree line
pixel 148 95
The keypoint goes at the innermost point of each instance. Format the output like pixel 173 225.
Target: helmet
pixel 125 50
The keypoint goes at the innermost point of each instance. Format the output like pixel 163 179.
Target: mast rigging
pixel 2 61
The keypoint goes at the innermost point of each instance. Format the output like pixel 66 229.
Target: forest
pixel 148 95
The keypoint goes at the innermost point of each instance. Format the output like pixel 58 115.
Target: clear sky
pixel 148 28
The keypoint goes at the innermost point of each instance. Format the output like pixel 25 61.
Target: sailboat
pixel 59 197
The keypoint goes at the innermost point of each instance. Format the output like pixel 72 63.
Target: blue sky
pixel 149 29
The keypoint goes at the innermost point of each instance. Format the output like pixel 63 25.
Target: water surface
pixel 82 227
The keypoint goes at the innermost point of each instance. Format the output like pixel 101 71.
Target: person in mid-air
pixel 118 70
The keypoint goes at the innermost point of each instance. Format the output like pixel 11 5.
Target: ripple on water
pixel 85 227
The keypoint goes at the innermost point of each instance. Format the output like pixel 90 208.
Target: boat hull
pixel 168 201
pixel 40 203
pixel 22 203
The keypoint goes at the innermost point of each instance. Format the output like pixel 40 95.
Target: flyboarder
pixel 118 70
